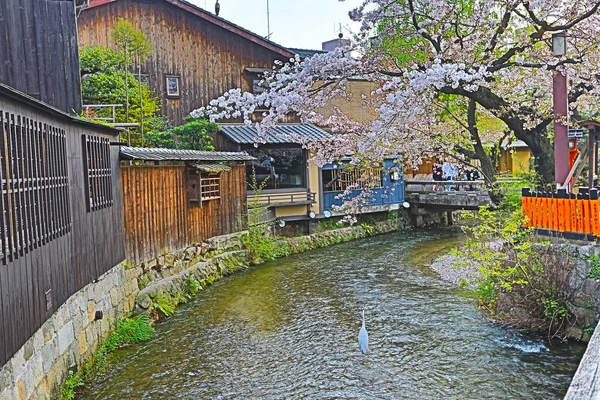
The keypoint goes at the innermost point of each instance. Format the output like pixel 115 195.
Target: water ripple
pixel 288 330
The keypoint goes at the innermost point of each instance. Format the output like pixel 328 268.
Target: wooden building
pixel 176 198
pixel 196 55
pixel 296 189
pixel 38 45
pixel 61 212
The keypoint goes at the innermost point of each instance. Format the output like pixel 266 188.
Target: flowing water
pixel 288 330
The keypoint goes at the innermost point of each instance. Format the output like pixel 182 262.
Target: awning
pixel 213 168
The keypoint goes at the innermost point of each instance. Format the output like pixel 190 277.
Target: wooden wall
pixel 56 266
pixel 159 218
pixel 209 59
pixel 38 44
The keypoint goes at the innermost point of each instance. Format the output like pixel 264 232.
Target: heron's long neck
pixel 363 318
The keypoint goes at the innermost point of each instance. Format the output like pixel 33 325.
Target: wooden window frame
pixel 210 187
pixel 178 80
pixel 35 203
pixel 97 172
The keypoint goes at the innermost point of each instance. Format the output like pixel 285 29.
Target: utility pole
pixel 268 22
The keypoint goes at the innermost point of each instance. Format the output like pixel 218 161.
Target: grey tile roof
pixel 284 133
pixel 306 53
pixel 158 154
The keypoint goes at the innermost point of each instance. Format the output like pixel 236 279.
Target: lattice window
pixel 96 156
pixel 210 188
pixel 35 206
pixel 363 178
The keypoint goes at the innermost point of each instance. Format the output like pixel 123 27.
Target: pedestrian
pixel 437 177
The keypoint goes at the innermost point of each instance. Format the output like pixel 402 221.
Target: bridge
pixel 447 195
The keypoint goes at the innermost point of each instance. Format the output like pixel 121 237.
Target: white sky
pixel 294 23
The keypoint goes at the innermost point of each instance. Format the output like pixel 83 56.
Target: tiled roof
pixel 306 53
pixel 284 133
pixel 158 154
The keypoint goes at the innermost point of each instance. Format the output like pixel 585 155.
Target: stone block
pixel 82 342
pixel 17 363
pixel 49 355
pixel 6 378
pixel 55 377
pixel 591 287
pixel 115 296
pixel 91 310
pixel 28 349
pixel 66 336
pixel 21 392
pixel 8 394
pixel 48 331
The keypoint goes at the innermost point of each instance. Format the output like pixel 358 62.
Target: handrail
pixel 277 198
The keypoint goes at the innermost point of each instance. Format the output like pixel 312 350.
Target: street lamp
pixel 559 44
pixel 561 113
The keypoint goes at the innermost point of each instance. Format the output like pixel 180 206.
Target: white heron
pixel 363 336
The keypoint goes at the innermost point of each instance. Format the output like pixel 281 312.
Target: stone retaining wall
pixel 69 338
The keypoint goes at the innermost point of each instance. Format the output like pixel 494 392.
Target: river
pixel 288 329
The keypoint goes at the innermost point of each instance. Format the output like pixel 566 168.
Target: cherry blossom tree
pixel 494 56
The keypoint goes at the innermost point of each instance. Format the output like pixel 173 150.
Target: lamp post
pixel 561 113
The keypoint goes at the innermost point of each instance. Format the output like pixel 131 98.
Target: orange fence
pixel 563 212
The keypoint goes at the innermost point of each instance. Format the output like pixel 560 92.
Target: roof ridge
pixel 210 17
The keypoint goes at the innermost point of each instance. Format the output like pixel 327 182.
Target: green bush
pixel 524 281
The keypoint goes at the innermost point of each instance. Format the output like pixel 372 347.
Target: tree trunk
pixel 487 166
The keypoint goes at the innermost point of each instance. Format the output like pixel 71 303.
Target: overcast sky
pixel 294 23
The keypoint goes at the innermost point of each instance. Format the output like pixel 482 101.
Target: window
pixel 35 206
pixel 355 178
pixel 96 157
pixel 258 87
pixel 210 187
pixel 281 168
pixel 173 86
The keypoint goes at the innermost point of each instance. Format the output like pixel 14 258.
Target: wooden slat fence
pixel 576 215
pixel 159 216
pixel 51 246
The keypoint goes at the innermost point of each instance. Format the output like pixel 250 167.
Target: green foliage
pixel 261 244
pixel 105 82
pixel 192 286
pixel 519 272
pixel 163 305
pixel 128 331
pixel 595 267
pixel 367 228
pixel 73 382
pixel 94 59
pixel 195 134
pixel 133 43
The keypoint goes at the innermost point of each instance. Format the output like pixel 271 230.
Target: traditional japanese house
pixel 175 198
pixel 196 56
pixel 296 189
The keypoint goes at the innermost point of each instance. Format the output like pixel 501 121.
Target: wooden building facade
pixel 196 56
pixel 61 212
pixel 188 197
pixel 38 44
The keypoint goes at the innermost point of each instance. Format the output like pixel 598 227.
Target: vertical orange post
pixel 555 212
pixel 573 212
pixel 595 210
pixel 587 225
pixel 562 210
pixel 535 211
pixel 579 213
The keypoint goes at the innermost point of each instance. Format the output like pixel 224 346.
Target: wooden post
pixel 595 206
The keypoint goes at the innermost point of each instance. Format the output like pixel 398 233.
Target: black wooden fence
pixel 61 212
